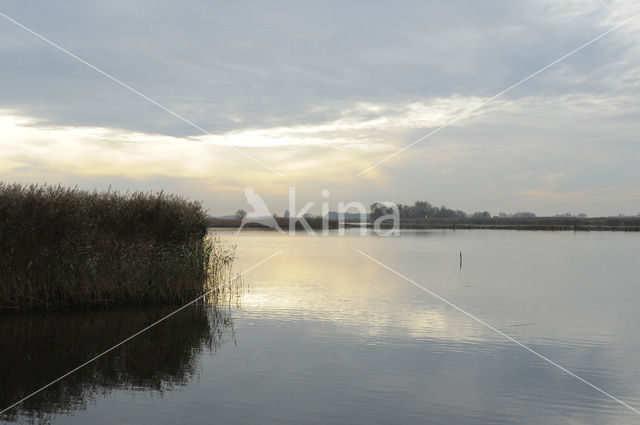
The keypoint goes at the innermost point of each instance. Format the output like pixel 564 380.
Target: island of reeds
pixel 66 247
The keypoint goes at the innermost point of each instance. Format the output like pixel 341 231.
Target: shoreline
pixel 602 224
pixel 626 224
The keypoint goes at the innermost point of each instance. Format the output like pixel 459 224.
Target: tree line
pixel 423 209
pixel 420 209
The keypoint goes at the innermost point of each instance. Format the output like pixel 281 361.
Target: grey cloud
pixel 229 66
pixel 232 66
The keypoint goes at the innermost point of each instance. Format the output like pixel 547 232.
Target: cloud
pixel 321 94
pixel 231 66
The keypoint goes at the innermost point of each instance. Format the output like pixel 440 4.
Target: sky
pixel 321 91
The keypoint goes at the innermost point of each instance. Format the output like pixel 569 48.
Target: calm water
pixel 325 335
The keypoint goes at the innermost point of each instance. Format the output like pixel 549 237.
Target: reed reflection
pixel 37 349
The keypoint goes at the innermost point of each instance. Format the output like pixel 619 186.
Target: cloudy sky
pixel 320 92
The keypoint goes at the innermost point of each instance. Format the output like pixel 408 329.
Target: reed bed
pixel 66 247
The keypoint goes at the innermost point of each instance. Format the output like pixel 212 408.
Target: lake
pixel 324 335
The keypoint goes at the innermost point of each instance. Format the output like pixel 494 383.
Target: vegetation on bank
pixel 423 209
pixel 423 215
pixel 420 209
pixel 523 223
pixel 65 247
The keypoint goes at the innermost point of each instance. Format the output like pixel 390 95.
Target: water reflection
pixel 37 349
pixel 369 348
pixel 326 336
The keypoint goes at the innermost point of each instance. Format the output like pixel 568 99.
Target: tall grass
pixel 62 247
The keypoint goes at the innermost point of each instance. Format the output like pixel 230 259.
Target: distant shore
pixel 528 223
pixel 629 224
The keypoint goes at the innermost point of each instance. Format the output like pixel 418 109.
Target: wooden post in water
pixel 460 260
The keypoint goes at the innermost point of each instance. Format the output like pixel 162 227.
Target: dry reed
pixel 66 247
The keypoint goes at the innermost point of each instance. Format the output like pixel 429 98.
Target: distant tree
pixel 420 209
pixel 481 214
pixel 378 210
pixel 240 214
pixel 582 215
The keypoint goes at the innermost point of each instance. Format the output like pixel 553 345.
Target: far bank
pixel 498 223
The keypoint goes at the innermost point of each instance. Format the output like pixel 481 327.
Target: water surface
pixel 325 335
